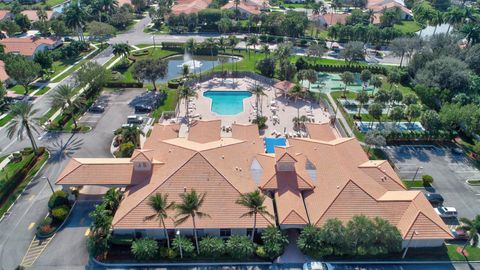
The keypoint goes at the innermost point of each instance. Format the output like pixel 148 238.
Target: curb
pixel 52 234
pixel 402 262
pixel 23 190
pixel 192 264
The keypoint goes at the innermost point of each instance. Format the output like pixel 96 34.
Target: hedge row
pixel 180 47
pixel 14 180
pixel 124 84
pixel 356 68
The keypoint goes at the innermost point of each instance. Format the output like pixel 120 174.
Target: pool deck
pixel 278 109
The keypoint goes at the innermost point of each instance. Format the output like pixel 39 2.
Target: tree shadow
pixel 61 150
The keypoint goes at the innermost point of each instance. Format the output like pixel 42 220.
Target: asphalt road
pixel 449 171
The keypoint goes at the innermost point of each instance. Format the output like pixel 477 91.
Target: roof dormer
pixel 285 161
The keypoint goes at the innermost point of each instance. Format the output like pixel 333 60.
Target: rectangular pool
pixel 270 143
pixel 227 102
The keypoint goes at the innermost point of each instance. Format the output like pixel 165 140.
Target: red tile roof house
pixel 246 8
pixel 29 46
pixel 189 6
pixel 308 181
pixel 32 14
pixel 377 6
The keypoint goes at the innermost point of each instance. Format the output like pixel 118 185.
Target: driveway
pixel 118 105
pixel 68 247
pixel 448 169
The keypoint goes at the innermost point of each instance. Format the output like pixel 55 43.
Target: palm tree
pixel 210 43
pixel 22 113
pixel 362 98
pixel 471 227
pixel 109 6
pixel 265 49
pixel 185 92
pixel 237 2
pixel 454 16
pixel 75 18
pixel 64 97
pixel 232 42
pixel 253 41
pixel 191 46
pixel 311 76
pixel 254 201
pixel 42 15
pixel 185 71
pixel 160 205
pixel 121 49
pixel 347 79
pixel 112 199
pixel 190 208
pixel 258 91
pixel 436 20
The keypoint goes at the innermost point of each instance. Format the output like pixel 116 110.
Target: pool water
pixel 227 102
pixel 270 143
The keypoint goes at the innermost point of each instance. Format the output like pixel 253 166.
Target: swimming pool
pixel 227 102
pixel 270 143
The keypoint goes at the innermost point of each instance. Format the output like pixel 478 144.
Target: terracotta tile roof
pixel 4 14
pixel 284 85
pixel 205 131
pixel 334 18
pixel 320 131
pixel 26 46
pixel 97 171
pixel 326 179
pixel 124 2
pixel 190 6
pixel 250 8
pixel 32 14
pixel 3 73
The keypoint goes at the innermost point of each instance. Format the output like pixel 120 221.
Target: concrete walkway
pixel 340 116
pixel 291 255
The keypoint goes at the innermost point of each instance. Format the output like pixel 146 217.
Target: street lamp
pixel 408 244
pixel 48 181
pixel 416 172
pixel 179 244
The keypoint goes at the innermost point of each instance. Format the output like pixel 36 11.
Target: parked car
pixel 97 109
pixel 281 7
pixel 134 119
pixel 446 212
pixel 434 198
pixel 459 234
pixel 317 266
pixel 143 108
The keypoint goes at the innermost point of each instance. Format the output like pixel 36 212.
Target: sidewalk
pixel 340 116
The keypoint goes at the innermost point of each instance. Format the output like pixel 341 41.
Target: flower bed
pixel 59 209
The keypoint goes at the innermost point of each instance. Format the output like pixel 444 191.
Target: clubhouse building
pixel 308 181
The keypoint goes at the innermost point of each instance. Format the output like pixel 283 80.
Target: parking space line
pixel 31 226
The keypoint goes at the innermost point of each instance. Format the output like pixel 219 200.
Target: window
pixel 225 232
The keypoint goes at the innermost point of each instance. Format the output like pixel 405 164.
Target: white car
pixel 317 266
pixel 446 212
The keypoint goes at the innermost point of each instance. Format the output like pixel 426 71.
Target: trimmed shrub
pixel 144 249
pixel 274 241
pixel 46 221
pixel 261 252
pixel 211 246
pixel 187 246
pixel 122 240
pixel 124 84
pixel 240 247
pixel 125 149
pixel 26 151
pixel 168 253
pixel 261 122
pixel 427 180
pixel 60 213
pixel 58 198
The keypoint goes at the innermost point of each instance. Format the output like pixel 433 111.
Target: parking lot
pixel 118 105
pixel 450 170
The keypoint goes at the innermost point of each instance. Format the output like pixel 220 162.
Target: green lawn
pixel 77 66
pixel 167 105
pixel 408 26
pixel 414 184
pixel 16 192
pixel 47 115
pixel 5 120
pixel 42 91
pixel 473 253
pixel 19 89
pixel 13 168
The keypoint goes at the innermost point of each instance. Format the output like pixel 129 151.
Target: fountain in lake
pixel 188 61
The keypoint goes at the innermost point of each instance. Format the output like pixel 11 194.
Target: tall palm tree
pixel 265 49
pixel 191 45
pixel 64 97
pixel 75 18
pixel 42 15
pixel 109 6
pixel 232 43
pixel 253 41
pixel 185 92
pixel 471 227
pixel 258 91
pixel 190 208
pixel 210 43
pixel 160 205
pixel 347 79
pixel 23 121
pixel 254 201
pixel 454 16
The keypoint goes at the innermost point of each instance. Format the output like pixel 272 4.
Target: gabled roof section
pixel 320 131
pixel 425 228
pixel 205 131
pixel 97 171
pixel 142 155
pixel 382 173
pixel 293 218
